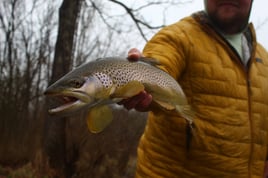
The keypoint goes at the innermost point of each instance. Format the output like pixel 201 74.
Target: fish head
pixel 74 93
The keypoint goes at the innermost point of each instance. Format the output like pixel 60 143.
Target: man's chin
pixel 229 23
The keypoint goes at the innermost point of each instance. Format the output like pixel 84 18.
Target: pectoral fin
pixel 99 118
pixel 132 88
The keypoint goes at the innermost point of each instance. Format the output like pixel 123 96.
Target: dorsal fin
pixel 150 61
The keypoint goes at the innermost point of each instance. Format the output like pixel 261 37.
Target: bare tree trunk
pixel 55 138
pixel 68 14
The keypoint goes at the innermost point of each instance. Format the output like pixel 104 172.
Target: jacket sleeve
pixel 169 47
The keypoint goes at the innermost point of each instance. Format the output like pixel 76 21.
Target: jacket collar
pixel 205 23
pixel 202 18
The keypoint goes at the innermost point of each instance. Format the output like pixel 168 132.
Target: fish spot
pixel 104 79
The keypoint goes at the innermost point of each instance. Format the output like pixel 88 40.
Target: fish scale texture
pixel 230 134
pixel 116 71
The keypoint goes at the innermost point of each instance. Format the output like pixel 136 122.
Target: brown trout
pixel 96 84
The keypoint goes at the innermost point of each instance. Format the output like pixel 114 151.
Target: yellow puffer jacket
pixel 230 135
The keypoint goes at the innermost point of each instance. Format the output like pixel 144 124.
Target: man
pixel 224 73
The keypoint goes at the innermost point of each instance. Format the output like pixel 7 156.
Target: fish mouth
pixel 68 102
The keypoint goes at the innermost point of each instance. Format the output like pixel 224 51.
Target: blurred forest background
pixel 39 42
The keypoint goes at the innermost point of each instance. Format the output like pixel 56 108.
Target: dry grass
pixel 37 168
pixel 111 153
pixel 26 171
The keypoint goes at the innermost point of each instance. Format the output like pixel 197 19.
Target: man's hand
pixel 134 54
pixel 141 101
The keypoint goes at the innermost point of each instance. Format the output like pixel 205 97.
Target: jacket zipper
pixel 250 125
pixel 236 57
pixel 248 83
pixel 245 69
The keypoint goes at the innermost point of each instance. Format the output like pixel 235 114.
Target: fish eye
pixel 76 83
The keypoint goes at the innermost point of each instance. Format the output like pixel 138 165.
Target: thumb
pixel 134 54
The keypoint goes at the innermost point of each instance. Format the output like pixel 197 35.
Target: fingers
pixel 144 104
pixel 140 102
pixel 134 54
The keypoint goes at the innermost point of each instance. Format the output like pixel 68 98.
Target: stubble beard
pixel 229 24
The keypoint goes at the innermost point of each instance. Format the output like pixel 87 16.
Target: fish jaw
pixel 71 101
pixel 75 98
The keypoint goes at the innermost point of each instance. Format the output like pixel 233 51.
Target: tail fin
pixel 186 112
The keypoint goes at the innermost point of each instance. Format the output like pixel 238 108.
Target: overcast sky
pixel 259 15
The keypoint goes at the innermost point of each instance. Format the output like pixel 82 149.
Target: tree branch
pixel 138 22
